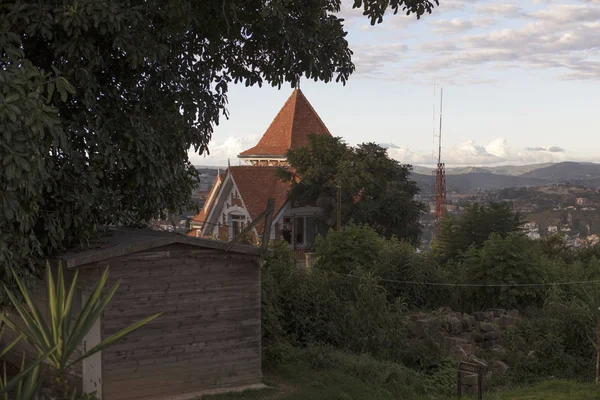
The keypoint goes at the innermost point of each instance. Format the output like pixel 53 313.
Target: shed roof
pixel 121 242
pixel 290 129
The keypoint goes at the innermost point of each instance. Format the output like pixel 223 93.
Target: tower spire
pixel 440 177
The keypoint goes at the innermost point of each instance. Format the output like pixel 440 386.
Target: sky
pixel 521 85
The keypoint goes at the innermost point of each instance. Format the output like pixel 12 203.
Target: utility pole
pixel 339 208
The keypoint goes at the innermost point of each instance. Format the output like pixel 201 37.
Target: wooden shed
pixel 208 338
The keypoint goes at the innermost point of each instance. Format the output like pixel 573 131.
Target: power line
pixel 477 285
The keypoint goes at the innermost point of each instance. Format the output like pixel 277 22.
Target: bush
pixel 318 306
pixel 502 261
pixel 354 246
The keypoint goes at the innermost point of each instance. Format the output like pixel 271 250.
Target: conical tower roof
pixel 289 130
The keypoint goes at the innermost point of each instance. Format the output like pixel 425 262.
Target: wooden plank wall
pixel 208 336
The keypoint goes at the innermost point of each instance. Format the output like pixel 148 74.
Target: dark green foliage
pixel 390 260
pixel 375 189
pixel 552 341
pixel 100 101
pixel 473 227
pixel 356 246
pixel 555 247
pixel 319 307
pixel 499 261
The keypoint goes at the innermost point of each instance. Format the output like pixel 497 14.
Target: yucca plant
pixel 25 385
pixel 63 331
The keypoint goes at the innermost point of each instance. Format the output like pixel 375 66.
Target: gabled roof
pixel 210 200
pixel 290 128
pixel 256 185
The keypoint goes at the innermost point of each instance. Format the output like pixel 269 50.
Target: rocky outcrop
pixel 475 337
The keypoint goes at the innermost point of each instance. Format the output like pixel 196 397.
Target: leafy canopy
pixel 375 189
pixel 100 101
pixel 473 228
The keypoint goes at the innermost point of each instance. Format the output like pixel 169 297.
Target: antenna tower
pixel 440 177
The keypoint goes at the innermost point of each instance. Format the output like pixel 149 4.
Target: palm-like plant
pixel 59 337
pixel 27 382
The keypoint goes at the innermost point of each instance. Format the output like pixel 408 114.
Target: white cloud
pixel 496 152
pixel 457 25
pixel 223 152
pixel 562 38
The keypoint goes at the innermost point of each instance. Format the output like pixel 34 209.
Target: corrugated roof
pixel 256 185
pixel 290 128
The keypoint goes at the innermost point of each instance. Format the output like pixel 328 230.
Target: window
pixel 286 231
pixel 237 224
pixel 299 230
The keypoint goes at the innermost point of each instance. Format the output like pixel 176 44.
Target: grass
pixel 294 382
pixel 550 390
pixel 320 373
pixel 334 385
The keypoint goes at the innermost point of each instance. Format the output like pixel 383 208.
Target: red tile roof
pixel 290 128
pixel 256 185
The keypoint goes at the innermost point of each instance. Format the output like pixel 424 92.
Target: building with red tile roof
pixel 242 194
pixel 289 130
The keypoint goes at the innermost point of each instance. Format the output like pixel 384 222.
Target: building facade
pixel 242 193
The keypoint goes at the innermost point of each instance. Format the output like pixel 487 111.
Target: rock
pixel 421 326
pixel 489 315
pixel 498 312
pixel 468 322
pixel 446 310
pixel 499 368
pixel 454 326
pixel 478 337
pixel 479 315
pixel 513 313
pixel 470 350
pixel 486 327
pixel 507 321
pixel 491 336
pixel 497 350
pixel 451 342
pixel 459 353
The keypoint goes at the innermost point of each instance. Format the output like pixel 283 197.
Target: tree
pixel 375 189
pixel 508 260
pixel 100 101
pixel 473 227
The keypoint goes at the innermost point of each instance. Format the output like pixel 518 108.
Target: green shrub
pixel 343 251
pixel 502 261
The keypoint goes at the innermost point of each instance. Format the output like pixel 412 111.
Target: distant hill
pixel 565 171
pixel 513 170
pixel 486 178
pixel 476 180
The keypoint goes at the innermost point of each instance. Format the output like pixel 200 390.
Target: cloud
pixel 551 149
pixel 466 39
pixel 456 25
pixel 371 59
pixel 470 153
pixel 505 10
pixel 223 152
